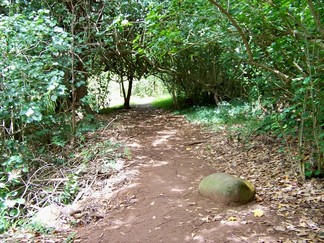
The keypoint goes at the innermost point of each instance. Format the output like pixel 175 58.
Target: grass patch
pixel 163 102
pixel 236 116
pixel 108 110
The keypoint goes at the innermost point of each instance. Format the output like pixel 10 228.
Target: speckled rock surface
pixel 226 189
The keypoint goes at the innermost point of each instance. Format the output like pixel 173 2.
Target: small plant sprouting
pixel 127 153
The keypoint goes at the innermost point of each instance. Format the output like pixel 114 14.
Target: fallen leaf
pixel 206 219
pixel 287 241
pixel 232 218
pixel 279 228
pixel 258 213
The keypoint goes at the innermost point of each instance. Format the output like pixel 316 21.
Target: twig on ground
pixel 195 142
pixel 106 127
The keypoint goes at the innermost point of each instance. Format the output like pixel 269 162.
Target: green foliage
pixel 188 45
pixel 71 188
pixel 268 52
pixel 32 67
pixel 164 102
pixel 235 112
pixel 110 109
pixel 70 238
pixel 240 119
pixel 13 169
pixel 149 87
pixel 127 153
pixel 287 46
pixel 87 124
pixel 38 228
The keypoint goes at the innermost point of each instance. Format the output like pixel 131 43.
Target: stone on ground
pixel 226 189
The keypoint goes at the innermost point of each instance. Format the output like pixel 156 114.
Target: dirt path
pixel 161 204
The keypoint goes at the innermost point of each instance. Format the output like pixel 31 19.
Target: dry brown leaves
pixel 299 206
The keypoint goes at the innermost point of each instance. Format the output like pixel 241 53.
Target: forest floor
pixel 159 202
pixel 153 196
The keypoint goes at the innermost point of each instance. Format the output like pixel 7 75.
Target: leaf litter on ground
pixel 300 205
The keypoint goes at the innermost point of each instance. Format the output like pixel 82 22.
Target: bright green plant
pixel 10 200
pixel 32 68
pixel 284 40
pixel 71 188
pixel 235 112
pixel 70 238
pixel 39 228
pixel 127 153
pixel 165 102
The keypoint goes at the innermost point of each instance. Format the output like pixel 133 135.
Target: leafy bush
pixel 234 112
pixel 164 102
pixel 32 63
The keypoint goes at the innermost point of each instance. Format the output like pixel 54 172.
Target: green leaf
pixel 54 98
pixel 308 173
pixel 307 80
pixel 317 173
pixel 20 201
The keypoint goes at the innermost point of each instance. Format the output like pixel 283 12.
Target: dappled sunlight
pixel 182 177
pixel 117 223
pixel 134 145
pixel 165 204
pixel 158 163
pixel 197 238
pixel 163 138
pixel 155 163
pixel 177 190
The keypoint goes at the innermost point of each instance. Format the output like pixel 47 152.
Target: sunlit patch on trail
pixel 177 190
pixel 134 145
pixel 163 138
pixel 159 163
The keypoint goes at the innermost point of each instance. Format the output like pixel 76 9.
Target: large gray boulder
pixel 226 189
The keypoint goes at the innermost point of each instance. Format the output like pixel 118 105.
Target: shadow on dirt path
pixel 161 204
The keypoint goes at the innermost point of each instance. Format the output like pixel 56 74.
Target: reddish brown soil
pixel 161 203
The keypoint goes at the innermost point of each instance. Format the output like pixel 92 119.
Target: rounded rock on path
pixel 226 189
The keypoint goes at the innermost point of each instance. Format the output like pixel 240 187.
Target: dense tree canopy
pixel 270 52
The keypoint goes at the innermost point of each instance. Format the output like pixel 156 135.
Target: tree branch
pixel 278 73
pixel 316 17
pixel 238 28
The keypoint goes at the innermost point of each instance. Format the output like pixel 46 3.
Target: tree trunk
pixel 129 92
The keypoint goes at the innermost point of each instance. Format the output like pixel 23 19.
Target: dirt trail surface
pixel 159 201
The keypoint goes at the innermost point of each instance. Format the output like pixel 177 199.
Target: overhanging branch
pixel 251 60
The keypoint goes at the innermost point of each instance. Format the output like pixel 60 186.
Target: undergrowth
pixel 243 119
pixel 163 102
pixel 47 167
pixel 236 116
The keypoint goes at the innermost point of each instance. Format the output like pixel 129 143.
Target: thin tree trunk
pixel 73 89
pixel 123 88
pixel 129 92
